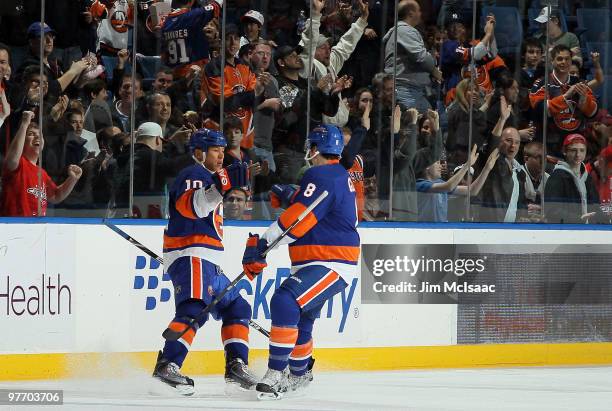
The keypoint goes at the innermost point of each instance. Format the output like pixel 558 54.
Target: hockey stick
pixel 160 260
pixel 173 335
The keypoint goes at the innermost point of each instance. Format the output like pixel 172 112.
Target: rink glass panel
pixel 89 200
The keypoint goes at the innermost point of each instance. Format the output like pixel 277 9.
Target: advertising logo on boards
pixel 156 288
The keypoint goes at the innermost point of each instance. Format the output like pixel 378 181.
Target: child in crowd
pixel 433 192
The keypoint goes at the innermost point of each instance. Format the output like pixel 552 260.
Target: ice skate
pixel 170 374
pixel 300 382
pixel 237 373
pixel 272 386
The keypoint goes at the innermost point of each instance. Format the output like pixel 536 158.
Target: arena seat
pixel 508 30
pixel 595 24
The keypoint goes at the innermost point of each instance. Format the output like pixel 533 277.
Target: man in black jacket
pixel 502 198
pixel 152 167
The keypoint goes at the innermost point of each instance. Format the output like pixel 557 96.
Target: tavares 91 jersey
pixel 183 39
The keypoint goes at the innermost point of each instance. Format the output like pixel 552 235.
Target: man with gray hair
pixel 414 65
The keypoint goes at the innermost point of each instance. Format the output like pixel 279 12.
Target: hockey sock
pixel 284 333
pixel 176 351
pixel 235 329
pixel 300 356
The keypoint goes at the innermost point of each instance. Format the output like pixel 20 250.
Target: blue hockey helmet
pixel 204 138
pixel 327 138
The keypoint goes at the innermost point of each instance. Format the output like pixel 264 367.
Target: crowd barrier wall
pixel 78 299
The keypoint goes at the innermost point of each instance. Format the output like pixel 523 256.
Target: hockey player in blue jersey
pixel 183 38
pixel 193 249
pixel 324 251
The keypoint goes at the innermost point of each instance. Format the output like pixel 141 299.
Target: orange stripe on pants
pixel 196 278
pixel 317 288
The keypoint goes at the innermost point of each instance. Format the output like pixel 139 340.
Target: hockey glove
pixel 283 195
pixel 253 262
pixel 235 175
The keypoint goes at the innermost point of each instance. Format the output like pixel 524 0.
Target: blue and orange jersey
pixel 195 227
pixel 568 115
pixel 455 57
pixel 328 235
pixel 184 42
pixel 238 90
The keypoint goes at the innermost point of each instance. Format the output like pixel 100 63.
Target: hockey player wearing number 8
pixel 193 249
pixel 324 251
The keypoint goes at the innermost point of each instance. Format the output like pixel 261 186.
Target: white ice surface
pixel 467 389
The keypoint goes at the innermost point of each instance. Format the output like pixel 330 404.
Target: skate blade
pixel 159 388
pixel 235 390
pixel 269 396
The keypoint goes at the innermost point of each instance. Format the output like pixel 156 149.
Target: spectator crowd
pixel 505 123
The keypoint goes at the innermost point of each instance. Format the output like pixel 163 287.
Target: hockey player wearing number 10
pixel 324 251
pixel 184 42
pixel 192 253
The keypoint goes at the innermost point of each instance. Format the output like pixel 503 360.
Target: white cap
pixel 253 15
pixel 544 15
pixel 458 168
pixel 150 129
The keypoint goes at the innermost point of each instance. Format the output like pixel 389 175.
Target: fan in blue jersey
pixel 184 41
pixel 192 253
pixel 324 251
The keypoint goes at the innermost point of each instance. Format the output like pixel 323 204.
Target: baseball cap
pixel 284 51
pixel 453 17
pixel 253 15
pixel 545 14
pixel 458 168
pixel 37 28
pixel 574 139
pixel 150 129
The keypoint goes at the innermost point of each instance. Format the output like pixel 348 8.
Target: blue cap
pixel 327 138
pixel 36 28
pixel 204 138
